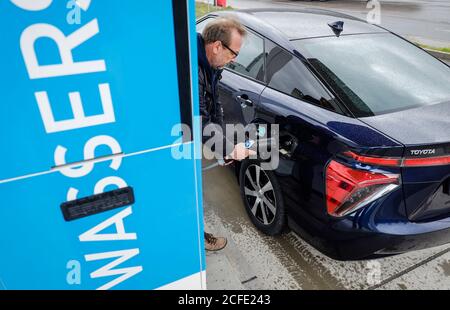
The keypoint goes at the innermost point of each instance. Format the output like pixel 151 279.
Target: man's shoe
pixel 214 243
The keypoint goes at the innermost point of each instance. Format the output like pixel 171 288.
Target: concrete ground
pixel 252 260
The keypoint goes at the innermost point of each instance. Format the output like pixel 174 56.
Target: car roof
pixel 295 24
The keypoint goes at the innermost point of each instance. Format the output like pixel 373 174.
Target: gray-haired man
pixel 218 45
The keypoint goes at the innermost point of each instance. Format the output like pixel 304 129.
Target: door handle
pixel 244 101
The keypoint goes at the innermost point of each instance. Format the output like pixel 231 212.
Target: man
pixel 218 45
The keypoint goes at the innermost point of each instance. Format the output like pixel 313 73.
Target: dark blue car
pixel 364 120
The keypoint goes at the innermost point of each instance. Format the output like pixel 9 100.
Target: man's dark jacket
pixel 208 81
pixel 211 109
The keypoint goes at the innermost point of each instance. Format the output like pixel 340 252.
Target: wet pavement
pixel 426 21
pixel 253 260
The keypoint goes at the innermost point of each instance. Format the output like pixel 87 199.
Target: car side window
pixel 201 25
pixel 250 61
pixel 287 74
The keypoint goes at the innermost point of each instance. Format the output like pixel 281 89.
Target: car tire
pixel 262 197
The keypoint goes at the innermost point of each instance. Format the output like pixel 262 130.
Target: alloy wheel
pixel 260 195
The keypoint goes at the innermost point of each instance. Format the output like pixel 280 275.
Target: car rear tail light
pixel 432 161
pixel 398 161
pixel 348 189
pixel 372 160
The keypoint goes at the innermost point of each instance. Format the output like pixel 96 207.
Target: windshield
pixel 378 73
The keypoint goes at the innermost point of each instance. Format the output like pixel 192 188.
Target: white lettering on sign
pixel 107 270
pixel 32 5
pixel 116 220
pixel 89 153
pixel 66 67
pixel 103 183
pixel 65 46
pixel 79 120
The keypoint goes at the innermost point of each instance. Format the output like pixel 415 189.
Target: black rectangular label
pixel 94 204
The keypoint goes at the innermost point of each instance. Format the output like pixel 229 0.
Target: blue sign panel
pixel 63 82
pixel 146 245
pixel 92 194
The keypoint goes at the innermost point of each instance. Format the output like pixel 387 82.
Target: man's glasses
pixel 228 48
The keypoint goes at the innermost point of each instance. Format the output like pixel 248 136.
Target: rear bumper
pixel 342 242
pixel 386 244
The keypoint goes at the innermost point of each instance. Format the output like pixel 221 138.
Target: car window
pixel 250 61
pixel 378 73
pixel 287 74
pixel 201 25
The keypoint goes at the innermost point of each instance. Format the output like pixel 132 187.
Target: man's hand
pixel 240 152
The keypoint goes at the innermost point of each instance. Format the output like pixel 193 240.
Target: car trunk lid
pixel 425 167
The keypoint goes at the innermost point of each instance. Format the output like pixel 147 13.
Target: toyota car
pixel 364 118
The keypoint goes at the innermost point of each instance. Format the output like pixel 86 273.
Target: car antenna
pixel 337 27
